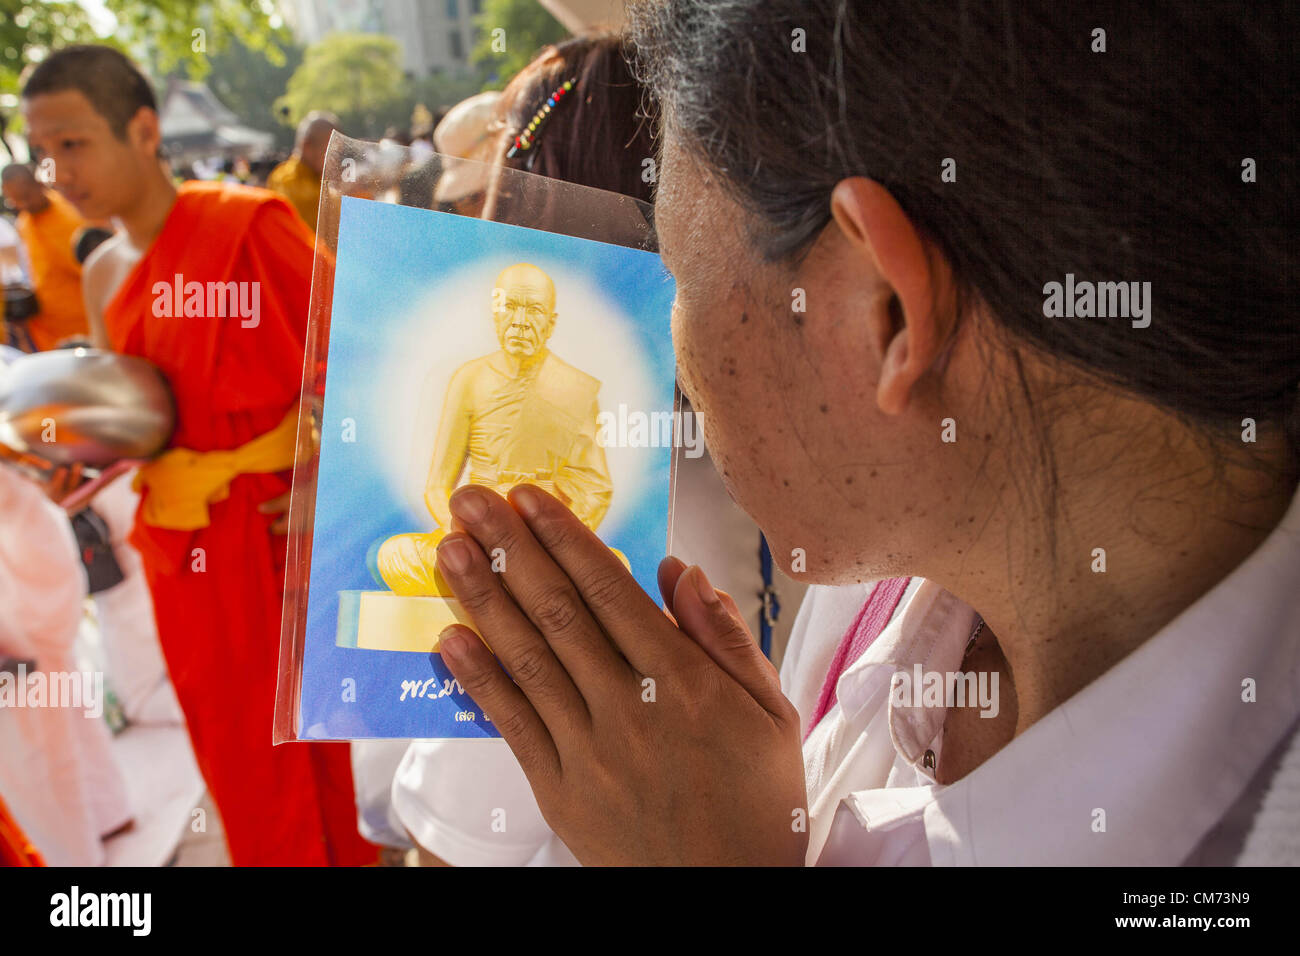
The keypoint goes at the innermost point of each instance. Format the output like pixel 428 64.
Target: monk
pixel 522 413
pixel 210 282
pixel 519 414
pixel 297 179
pixel 48 225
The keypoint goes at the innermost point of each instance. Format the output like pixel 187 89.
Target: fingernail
pixel 468 505
pixel 704 588
pixel 453 553
pixel 452 643
pixel 527 500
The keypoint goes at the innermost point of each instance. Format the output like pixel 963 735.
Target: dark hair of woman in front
pixel 1161 151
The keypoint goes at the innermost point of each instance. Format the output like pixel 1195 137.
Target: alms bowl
pixel 84 405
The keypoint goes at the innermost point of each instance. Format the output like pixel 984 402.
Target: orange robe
pixel 218 608
pixel 56 274
pixel 15 848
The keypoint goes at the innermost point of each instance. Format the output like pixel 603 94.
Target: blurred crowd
pixel 108 608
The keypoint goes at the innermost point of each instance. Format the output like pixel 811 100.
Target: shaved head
pixel 114 86
pixel 526 277
pixel 22 190
pixel 523 309
pixel 316 127
pixel 18 173
pixel 313 138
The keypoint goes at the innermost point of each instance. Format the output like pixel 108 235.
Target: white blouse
pixel 1157 762
pixel 1163 744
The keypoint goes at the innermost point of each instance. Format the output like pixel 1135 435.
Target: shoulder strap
pixel 876 613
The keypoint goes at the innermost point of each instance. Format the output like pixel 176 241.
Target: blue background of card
pixel 389 256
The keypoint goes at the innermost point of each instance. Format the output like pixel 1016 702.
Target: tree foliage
pixel 526 27
pixel 444 90
pixel 172 34
pixel 249 59
pixel 249 84
pixel 29 28
pixel 167 35
pixel 358 76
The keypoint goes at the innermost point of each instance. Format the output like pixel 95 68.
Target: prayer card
pixel 459 351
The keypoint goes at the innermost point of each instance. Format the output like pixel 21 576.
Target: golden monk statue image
pixel 519 414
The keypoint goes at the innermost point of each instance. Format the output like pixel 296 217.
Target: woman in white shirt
pixel 1003 302
pixel 58 772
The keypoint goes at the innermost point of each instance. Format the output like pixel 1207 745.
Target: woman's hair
pixel 1160 150
pixel 599 135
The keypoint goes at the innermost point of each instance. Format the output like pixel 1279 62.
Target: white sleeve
pixel 374 765
pixel 42 581
pixel 468 802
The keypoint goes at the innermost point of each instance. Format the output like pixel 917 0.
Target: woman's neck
pixel 1142 524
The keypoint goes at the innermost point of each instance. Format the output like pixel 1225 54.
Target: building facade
pixel 435 35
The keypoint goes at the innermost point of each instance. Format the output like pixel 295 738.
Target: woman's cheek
pixel 693 350
pixel 682 345
pixel 722 378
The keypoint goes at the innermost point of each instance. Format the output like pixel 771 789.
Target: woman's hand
pixel 645 742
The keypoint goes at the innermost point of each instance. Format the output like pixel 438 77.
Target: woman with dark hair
pixel 602 137
pixel 574 114
pixel 996 298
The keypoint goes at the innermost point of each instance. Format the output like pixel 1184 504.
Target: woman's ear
pixel 909 343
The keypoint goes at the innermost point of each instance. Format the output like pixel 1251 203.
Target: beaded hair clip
pixel 525 140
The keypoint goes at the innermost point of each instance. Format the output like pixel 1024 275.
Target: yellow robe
pixel 295 181
pixel 537 427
